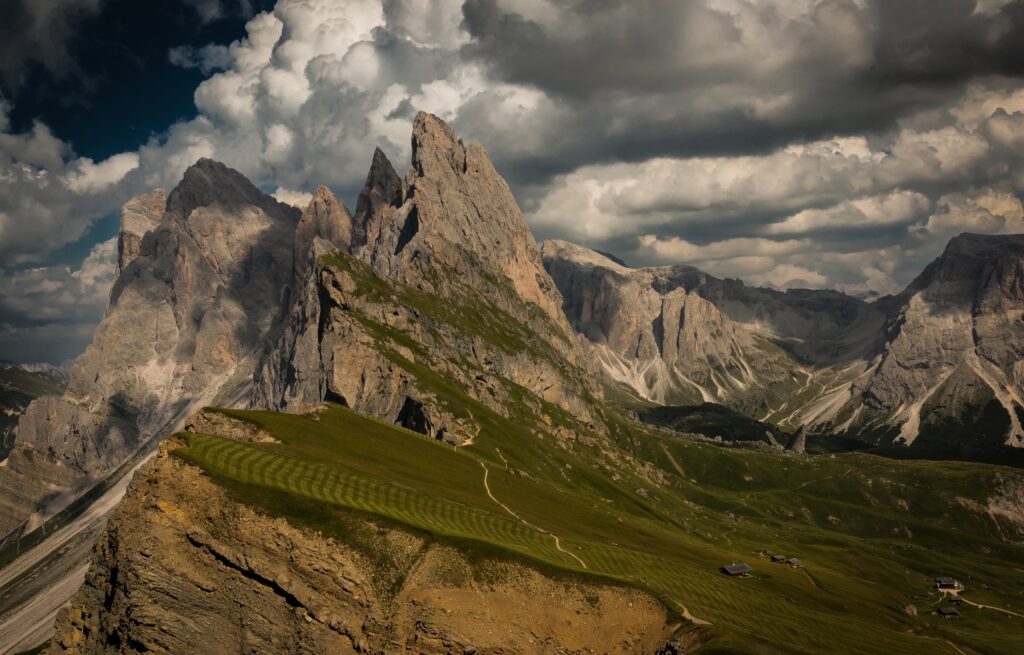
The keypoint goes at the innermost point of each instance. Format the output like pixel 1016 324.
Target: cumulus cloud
pixel 49 313
pixel 87 176
pixel 48 196
pixel 300 199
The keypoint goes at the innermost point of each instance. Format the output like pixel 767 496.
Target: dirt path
pixel 675 464
pixel 953 593
pixel 808 575
pixel 471 440
pixel 686 613
pixel 954 647
pixel 558 542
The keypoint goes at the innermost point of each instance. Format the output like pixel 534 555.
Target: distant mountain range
pixel 937 367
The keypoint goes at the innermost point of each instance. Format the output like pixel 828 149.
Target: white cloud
pixel 89 177
pixel 49 313
pixel 300 199
pixel 48 197
pixel 897 207
pixel 989 212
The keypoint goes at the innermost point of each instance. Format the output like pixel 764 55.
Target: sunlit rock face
pixel 445 259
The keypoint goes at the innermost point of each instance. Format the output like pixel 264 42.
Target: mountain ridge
pixel 850 352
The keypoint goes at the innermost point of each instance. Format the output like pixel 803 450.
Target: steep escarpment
pixel 678 335
pixel 196 297
pixel 442 288
pixel 951 368
pixel 182 567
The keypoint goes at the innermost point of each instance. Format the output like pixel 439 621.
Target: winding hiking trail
pixel 558 542
pixel 953 592
pixel 685 613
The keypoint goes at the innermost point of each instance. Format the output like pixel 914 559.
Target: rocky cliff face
pixel 183 568
pixel 443 278
pixel 938 365
pixel 951 367
pixel 458 214
pixel 197 297
pixel 674 334
pixel 138 216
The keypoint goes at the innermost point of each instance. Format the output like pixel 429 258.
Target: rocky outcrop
pixel 798 441
pixel 183 568
pixel 138 216
pixel 448 283
pixel 458 215
pixel 325 218
pixel 950 371
pixel 382 191
pixel 188 315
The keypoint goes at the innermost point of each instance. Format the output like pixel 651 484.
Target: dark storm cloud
pixel 36 33
pixel 669 77
pixel 919 41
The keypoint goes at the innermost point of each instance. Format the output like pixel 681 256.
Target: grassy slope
pixel 860 571
pixel 661 513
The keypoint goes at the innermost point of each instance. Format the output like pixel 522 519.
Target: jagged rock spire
pixel 326 217
pixel 383 189
pixel 459 214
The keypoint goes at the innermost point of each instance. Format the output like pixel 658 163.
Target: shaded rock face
pixel 182 568
pixel 448 263
pixel 196 299
pixel 326 218
pixel 383 190
pixel 938 366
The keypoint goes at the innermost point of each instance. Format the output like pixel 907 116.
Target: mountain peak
pixel 460 213
pixel 984 245
pixel 209 182
pixel 436 146
pixel 558 249
pixel 966 259
pixel 326 217
pixel 383 188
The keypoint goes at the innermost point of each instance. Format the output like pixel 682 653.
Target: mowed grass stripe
pixel 713 598
pixel 253 465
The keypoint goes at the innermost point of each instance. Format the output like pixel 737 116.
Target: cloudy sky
pixel 791 143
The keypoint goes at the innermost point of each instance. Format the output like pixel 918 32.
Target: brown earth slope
pixel 182 564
